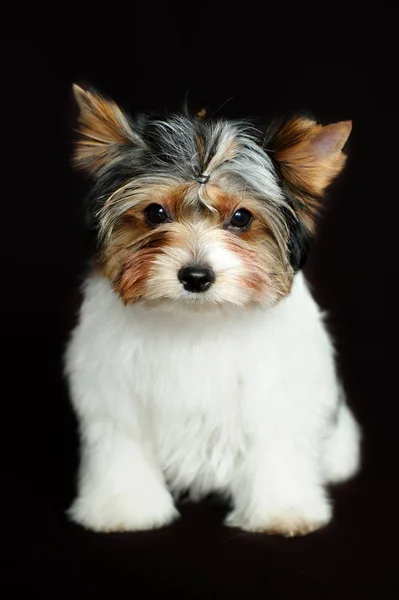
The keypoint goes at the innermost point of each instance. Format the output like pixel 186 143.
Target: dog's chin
pixel 205 302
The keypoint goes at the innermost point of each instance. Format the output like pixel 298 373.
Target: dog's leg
pixel 120 487
pixel 279 489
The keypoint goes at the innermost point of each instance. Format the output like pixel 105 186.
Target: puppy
pixel 200 362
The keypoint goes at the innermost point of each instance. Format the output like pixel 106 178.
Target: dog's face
pixel 201 212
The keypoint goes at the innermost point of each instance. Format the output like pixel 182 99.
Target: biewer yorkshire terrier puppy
pixel 200 362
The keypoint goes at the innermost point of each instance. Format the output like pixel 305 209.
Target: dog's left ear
pixel 309 156
pixel 105 131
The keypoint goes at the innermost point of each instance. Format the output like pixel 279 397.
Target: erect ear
pixel 104 128
pixel 309 157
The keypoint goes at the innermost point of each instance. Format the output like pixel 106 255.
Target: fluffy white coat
pixel 242 401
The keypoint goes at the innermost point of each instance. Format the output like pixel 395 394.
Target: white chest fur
pixel 198 392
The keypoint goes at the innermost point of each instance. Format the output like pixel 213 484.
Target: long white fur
pixel 244 401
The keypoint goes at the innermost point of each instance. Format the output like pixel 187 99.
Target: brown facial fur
pixel 134 245
pixel 132 282
pixel 257 245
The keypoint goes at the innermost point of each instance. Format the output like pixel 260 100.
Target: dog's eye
pixel 241 218
pixel 156 214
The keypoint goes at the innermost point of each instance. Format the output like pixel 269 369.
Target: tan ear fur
pixel 310 156
pixel 103 127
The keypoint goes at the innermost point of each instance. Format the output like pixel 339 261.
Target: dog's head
pixel 203 212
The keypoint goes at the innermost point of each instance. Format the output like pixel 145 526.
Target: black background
pixel 337 62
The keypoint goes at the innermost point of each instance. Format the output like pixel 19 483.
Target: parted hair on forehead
pixel 198 167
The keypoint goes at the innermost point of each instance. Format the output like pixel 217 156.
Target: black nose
pixel 196 278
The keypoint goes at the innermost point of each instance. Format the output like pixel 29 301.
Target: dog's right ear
pixel 105 131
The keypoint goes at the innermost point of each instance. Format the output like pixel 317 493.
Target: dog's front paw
pixel 290 521
pixel 123 512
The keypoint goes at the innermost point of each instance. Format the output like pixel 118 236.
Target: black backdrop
pixel 338 63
